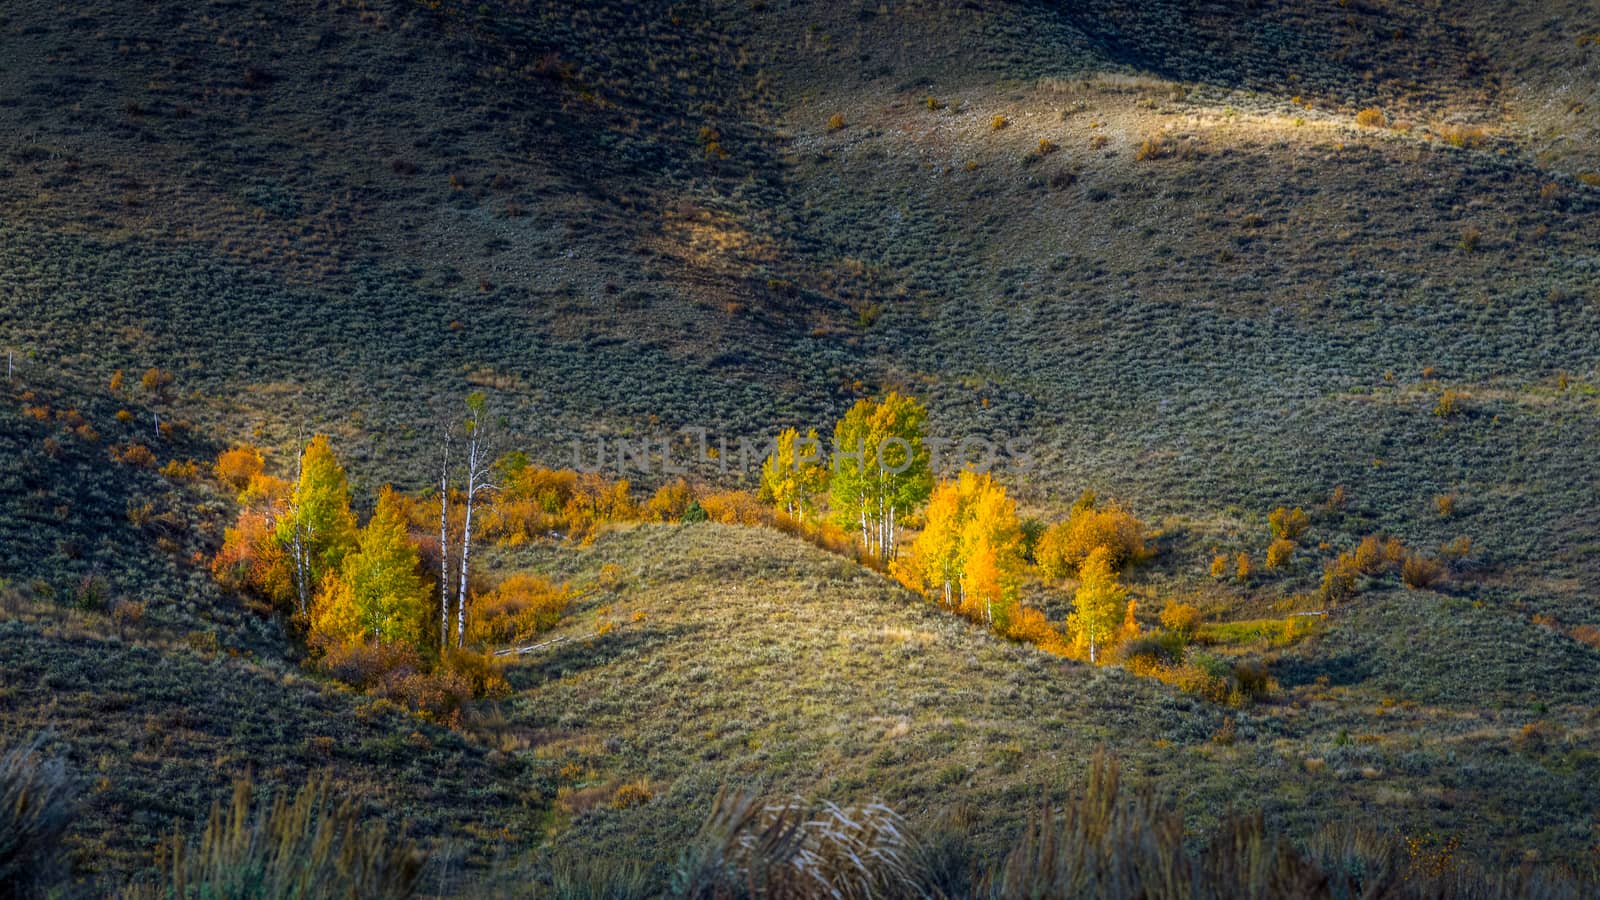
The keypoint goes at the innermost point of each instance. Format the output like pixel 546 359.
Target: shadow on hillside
pixel 1258 45
pixel 575 655
pixel 1349 667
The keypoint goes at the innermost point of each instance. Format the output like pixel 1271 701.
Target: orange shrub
pixel 669 501
pixel 1030 626
pixel 1588 634
pixel 134 455
pixel 1339 579
pixel 439 697
pixel 1371 117
pixel 1219 565
pixel 1421 572
pixel 1369 556
pixel 237 465
pixel 736 508
pixel 635 793
pixel 482 671
pixel 1394 551
pixel 1065 545
pixel 1279 552
pixel 1288 523
pixel 180 471
pixel 520 607
pixel 1243 566
pixel 365 665
pixel 1180 618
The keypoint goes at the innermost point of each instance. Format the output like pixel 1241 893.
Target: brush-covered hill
pixel 1205 259
pixel 740 658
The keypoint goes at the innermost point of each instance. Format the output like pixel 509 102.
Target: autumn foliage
pixel 520 607
pixel 968 557
pixel 1066 545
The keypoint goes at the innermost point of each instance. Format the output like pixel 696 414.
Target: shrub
pixel 1456 550
pixel 1449 404
pixel 669 501
pixel 1287 523
pixel 37 804
pixel 693 513
pixel 1463 135
pixel 126 614
pixel 610 577
pixel 440 696
pixel 1369 556
pixel 1163 648
pixel 237 465
pixel 1064 546
pixel 1219 565
pixel 1420 572
pixel 1157 147
pixel 1445 504
pixel 1180 618
pixel 520 607
pixel 736 508
pixel 635 793
pixel 1279 552
pixel 1471 238
pixel 999 122
pixel 156 381
pixel 836 122
pixel 134 455
pixel 1588 634
pixel 311 846
pixel 184 470
pixel 1242 566
pixel 1030 626
pixel 1371 117
pixel 483 672
pixel 366 664
pixel 1047 146
pixel 1339 580
pixel 1252 679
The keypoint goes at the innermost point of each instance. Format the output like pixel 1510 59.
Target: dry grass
pixel 37 804
pixel 312 846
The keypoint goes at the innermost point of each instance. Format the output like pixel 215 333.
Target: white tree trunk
pixel 444 547
pixel 466 546
pixel 301 564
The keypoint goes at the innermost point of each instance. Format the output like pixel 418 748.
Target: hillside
pixel 756 660
pixel 1205 259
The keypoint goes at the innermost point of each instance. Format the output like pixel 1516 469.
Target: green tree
pixel 378 593
pixel 794 472
pixel 881 470
pixel 318 529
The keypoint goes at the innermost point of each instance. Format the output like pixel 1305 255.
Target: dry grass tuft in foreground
pixel 312 846
pixel 36 808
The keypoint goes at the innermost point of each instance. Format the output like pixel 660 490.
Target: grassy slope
pixel 521 199
pixel 757 660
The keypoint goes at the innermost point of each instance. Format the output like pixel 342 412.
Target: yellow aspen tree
pixel 1099 603
pixel 794 472
pixel 992 541
pixel 935 561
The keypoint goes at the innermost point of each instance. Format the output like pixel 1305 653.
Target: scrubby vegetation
pixel 1297 299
